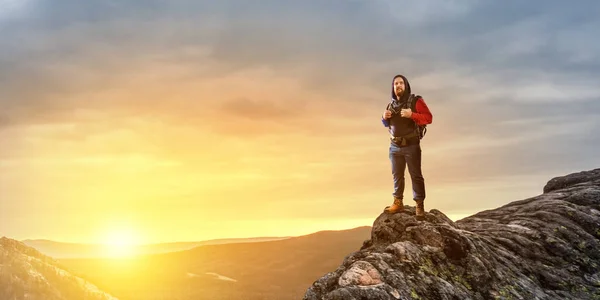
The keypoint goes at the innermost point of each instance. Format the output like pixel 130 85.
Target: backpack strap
pixel 410 101
pixel 389 120
pixel 419 129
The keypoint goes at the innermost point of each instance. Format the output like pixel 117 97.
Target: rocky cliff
pixel 544 247
pixel 25 273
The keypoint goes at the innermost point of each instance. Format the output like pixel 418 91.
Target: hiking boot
pixel 420 211
pixel 398 206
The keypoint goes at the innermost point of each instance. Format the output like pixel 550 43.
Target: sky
pixel 159 121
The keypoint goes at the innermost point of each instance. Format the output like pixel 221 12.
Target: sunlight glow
pixel 121 243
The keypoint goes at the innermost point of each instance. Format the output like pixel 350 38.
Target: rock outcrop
pixel 25 273
pixel 544 247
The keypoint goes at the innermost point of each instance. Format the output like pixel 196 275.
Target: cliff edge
pixel 544 247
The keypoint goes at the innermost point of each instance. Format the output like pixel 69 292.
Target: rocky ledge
pixel 544 247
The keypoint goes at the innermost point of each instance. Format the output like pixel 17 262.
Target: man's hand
pixel 407 113
pixel 387 114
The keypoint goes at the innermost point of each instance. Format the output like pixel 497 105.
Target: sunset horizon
pixel 310 149
pixel 129 123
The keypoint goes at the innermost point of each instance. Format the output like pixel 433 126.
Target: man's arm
pixel 422 115
pixel 386 122
pixel 386 113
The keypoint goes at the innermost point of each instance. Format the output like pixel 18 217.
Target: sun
pixel 121 243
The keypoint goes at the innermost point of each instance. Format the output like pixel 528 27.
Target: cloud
pixel 467 53
pixel 258 110
pixel 178 87
pixel 4 120
pixel 455 51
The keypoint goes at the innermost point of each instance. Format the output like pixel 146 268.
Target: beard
pixel 399 93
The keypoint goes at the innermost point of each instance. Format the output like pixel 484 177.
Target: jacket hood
pixel 407 90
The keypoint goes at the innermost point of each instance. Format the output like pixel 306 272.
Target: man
pixel 405 146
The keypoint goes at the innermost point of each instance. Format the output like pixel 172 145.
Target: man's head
pixel 400 88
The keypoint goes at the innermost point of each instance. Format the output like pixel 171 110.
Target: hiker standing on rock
pixel 406 116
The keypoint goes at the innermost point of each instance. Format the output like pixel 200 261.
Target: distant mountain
pixel 272 270
pixel 78 250
pixel 25 273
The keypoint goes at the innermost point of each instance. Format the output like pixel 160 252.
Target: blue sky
pixel 512 86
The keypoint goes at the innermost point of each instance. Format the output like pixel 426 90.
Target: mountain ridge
pixel 60 250
pixel 542 247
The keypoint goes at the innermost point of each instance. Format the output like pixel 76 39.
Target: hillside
pixel 25 273
pixel 262 270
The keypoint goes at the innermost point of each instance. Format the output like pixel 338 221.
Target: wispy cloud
pixel 290 94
